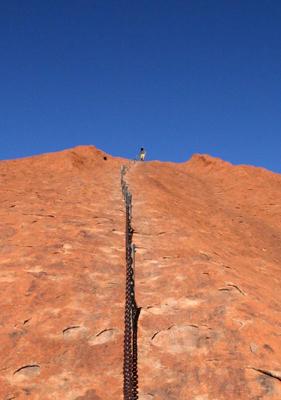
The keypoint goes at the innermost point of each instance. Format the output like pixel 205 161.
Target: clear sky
pixel 175 76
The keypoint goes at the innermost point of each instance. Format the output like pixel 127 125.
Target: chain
pixel 132 311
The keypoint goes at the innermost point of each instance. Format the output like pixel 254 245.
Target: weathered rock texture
pixel 208 278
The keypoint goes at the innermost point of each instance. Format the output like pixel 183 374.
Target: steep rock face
pixel 208 279
pixel 208 274
pixel 61 277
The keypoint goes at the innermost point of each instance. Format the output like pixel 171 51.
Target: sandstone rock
pixel 208 238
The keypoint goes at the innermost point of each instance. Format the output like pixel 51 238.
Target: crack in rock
pixel 237 288
pixel 181 338
pixel 232 286
pixel 68 330
pixel 106 335
pixel 162 330
pixel 272 374
pixel 28 370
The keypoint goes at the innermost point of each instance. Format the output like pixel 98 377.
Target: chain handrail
pixel 132 311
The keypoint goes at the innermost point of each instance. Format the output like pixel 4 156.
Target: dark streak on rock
pixel 104 330
pixel 153 336
pixel 238 288
pixel 272 374
pixel 227 289
pixel 40 215
pixel 69 328
pixel 31 366
pixel 268 348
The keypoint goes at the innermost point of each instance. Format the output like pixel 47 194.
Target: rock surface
pixel 208 237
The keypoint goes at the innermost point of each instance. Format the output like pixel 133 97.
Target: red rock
pixel 208 278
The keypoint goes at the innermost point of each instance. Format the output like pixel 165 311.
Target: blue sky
pixel 176 76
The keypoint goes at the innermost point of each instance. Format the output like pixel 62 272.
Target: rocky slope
pixel 208 278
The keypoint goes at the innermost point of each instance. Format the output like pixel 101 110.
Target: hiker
pixel 142 154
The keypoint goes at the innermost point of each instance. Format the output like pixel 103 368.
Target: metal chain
pixel 132 311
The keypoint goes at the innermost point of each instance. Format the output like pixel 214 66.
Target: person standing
pixel 142 154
